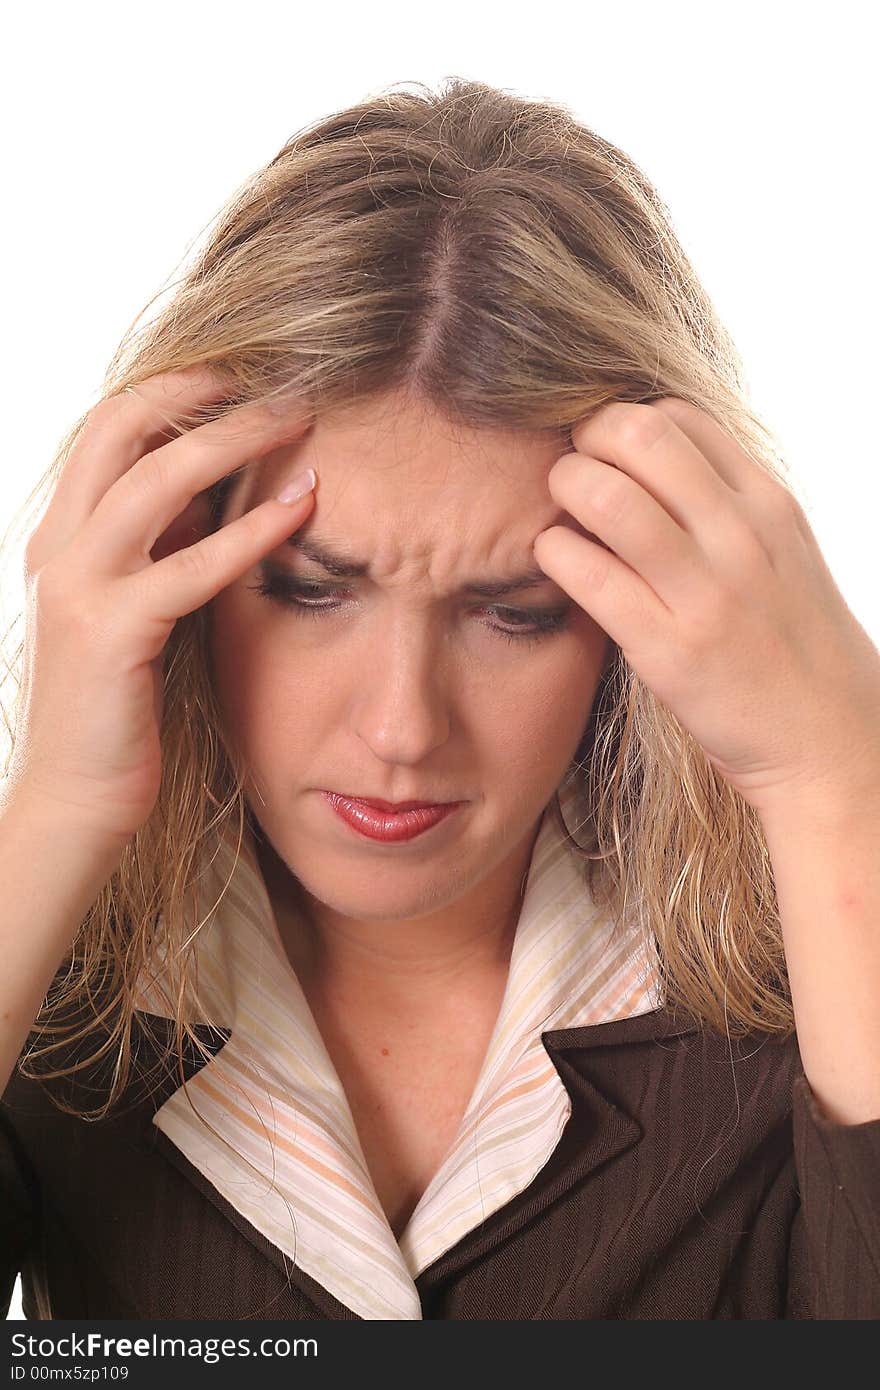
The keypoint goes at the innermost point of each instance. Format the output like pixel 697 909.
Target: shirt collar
pixel 275 1101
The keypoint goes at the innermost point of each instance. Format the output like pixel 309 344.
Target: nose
pixel 402 701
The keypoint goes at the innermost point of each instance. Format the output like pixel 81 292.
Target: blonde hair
pixel 504 263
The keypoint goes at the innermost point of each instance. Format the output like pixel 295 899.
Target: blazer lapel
pixel 329 1305
pixel 597 1131
pixel 214 1039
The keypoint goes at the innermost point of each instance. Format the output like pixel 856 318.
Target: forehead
pixel 411 497
pixel 395 458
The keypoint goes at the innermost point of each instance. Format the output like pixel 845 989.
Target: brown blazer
pixel 694 1179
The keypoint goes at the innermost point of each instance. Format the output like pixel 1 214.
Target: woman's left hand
pixel 715 589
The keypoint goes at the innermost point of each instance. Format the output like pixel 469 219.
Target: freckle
pixel 384 1051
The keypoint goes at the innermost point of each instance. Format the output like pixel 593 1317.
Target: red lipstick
pixel 379 820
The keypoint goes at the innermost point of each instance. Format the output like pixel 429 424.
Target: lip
pixel 382 821
pixel 393 806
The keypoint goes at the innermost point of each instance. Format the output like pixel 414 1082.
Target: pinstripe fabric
pixel 274 1095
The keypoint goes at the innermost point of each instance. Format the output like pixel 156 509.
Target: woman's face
pixel 401 685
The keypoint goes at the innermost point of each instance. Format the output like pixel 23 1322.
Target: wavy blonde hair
pixel 512 268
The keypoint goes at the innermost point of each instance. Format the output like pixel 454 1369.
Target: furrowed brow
pixel 343 565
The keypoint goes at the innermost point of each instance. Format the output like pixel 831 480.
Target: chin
pixel 383 894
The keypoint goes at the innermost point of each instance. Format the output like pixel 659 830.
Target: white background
pixel 126 127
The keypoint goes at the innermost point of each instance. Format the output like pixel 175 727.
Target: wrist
pixel 47 826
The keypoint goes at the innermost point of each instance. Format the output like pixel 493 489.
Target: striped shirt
pixel 287 1154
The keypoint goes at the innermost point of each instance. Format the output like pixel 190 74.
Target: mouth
pixel 387 820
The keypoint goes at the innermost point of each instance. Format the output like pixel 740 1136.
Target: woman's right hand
pixel 100 608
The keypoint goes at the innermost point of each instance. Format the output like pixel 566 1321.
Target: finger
pixel 614 507
pixel 138 509
pixel 615 596
pixel 650 447
pixel 193 575
pixel 117 432
pixel 626 517
pixel 730 460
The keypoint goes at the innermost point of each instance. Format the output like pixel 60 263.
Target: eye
pixel 294 593
pixel 309 596
pixel 529 624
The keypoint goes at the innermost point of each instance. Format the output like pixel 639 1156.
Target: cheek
pixel 576 684
pixel 271 697
pixel 535 719
pixel 252 674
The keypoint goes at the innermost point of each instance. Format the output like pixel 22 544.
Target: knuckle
pixel 608 499
pixel 781 508
pixel 60 597
pixel 564 471
pixel 109 408
pixel 195 561
pixel 35 555
pixel 596 573
pixel 149 477
pixel 108 405
pixel 48 588
pixel 121 412
pixel 784 503
pixel 639 427
pixel 679 411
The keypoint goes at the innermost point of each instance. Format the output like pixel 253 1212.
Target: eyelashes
pixel 306 596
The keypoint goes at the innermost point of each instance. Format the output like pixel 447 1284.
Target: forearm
pixel 825 853
pixel 49 878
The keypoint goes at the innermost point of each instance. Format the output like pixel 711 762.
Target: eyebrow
pixel 343 565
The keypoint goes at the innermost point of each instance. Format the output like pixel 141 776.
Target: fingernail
pixel 298 486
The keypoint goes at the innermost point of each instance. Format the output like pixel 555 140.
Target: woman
pixel 593 1034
